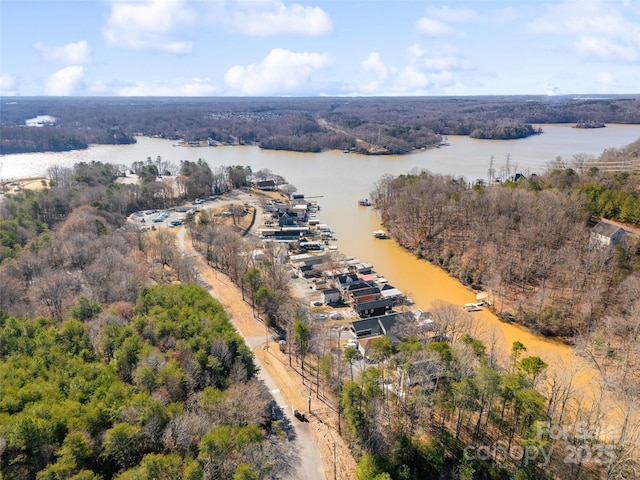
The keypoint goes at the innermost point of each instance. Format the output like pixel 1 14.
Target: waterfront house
pixel 298 199
pixel 286 220
pixel 373 308
pixel 348 289
pixel 366 293
pixel 389 291
pixel 396 325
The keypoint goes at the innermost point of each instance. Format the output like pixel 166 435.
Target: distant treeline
pixel 379 125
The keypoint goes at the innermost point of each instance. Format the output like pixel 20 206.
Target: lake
pixel 338 180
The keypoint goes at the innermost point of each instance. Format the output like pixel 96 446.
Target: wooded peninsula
pixel 364 125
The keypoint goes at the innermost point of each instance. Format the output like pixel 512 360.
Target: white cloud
pixel 438 20
pixel 64 82
pixel 599 28
pixel 410 79
pixel 443 60
pixel 149 25
pixel 74 53
pixel 374 63
pixel 281 72
pixel 180 87
pixel 447 14
pixel 8 85
pixel 425 72
pixel 607 48
pixel 275 18
pixel 432 27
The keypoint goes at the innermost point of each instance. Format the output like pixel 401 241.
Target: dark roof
pixel 357 285
pixel 368 290
pixel 374 304
pixel 384 324
pixel 328 291
pixel 369 325
pixel 266 184
pixel 348 278
pixel 380 325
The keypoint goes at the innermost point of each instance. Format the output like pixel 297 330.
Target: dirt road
pixel 317 441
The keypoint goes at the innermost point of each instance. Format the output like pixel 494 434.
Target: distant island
pixel 371 125
pixel 589 124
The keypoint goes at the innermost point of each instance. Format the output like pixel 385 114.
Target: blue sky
pixel 316 47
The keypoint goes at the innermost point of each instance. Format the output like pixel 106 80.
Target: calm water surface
pixel 339 180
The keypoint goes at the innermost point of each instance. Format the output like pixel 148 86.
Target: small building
pixel 389 291
pixel 298 199
pixel 330 296
pixel 266 185
pixel 605 235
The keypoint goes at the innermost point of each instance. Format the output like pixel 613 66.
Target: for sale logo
pixel 577 443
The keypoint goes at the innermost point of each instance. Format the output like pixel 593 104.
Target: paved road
pixel 310 465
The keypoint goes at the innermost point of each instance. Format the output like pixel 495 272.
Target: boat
pixel 380 234
pixel 365 202
pixel 472 307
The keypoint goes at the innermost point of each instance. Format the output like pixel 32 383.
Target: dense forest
pixel 528 241
pixel 364 125
pixel 167 385
pixel 113 363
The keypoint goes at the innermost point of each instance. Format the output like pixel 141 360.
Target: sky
pixel 318 47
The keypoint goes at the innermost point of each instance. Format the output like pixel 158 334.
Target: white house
pixel 330 296
pixel 605 235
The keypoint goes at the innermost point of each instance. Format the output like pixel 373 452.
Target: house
pixel 368 327
pixel 364 294
pixel 389 291
pixel 300 211
pixel 346 279
pixel 373 308
pixel 605 235
pixel 267 185
pixel 330 296
pixel 286 220
pixel 365 343
pixel 348 289
pixel 298 199
pixel 386 325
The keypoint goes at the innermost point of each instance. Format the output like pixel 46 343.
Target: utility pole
pixel 335 466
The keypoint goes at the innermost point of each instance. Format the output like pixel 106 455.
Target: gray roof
pixel 606 229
